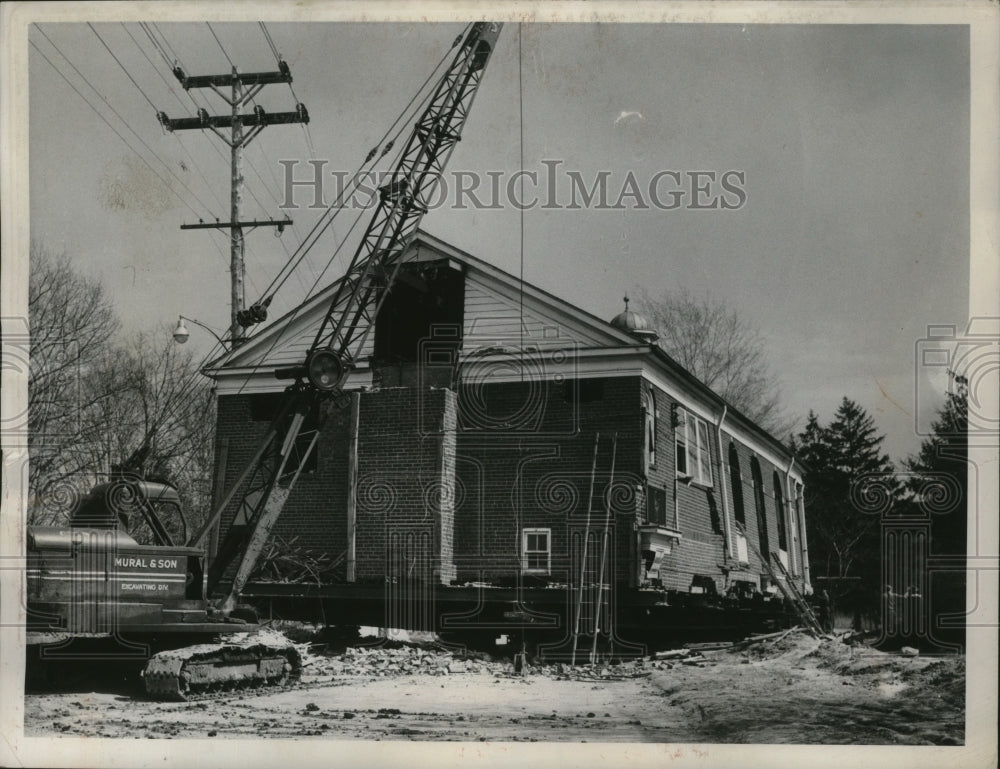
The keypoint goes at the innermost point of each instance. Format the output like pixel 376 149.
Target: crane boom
pixel 266 483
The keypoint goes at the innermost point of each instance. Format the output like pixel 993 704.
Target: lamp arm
pixel 207 328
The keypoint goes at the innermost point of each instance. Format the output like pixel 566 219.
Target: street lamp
pixel 181 333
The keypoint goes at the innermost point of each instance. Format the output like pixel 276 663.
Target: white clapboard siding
pixel 494 317
pixel 499 311
pixel 289 343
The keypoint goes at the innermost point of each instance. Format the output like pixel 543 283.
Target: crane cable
pixel 520 121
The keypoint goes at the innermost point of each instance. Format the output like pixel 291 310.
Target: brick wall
pixel 525 452
pixel 315 511
pixel 767 470
pixel 698 508
pixel 406 467
pixel 448 481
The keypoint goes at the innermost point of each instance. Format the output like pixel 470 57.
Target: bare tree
pixel 165 406
pixel 723 350
pixel 94 400
pixel 72 323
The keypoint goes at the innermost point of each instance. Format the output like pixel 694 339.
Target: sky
pixel 849 146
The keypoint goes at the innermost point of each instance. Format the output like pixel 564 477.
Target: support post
pixel 583 557
pixel 604 553
pixel 220 489
pixel 352 489
pixel 236 264
pixel 236 121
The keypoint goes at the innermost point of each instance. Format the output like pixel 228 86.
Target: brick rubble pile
pixel 406 660
pixel 382 662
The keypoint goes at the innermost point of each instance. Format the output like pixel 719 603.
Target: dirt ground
pixel 793 690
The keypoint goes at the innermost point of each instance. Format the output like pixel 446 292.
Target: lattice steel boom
pixel 266 483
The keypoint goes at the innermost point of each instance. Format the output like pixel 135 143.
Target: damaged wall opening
pixel 420 323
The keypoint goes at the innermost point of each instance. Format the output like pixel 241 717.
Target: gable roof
pixel 286 340
pixel 501 308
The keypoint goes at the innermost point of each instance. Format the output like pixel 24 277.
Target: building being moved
pixel 489 436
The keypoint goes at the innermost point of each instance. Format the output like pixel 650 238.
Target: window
pixel 736 480
pixel 779 508
pixel 650 417
pixel 535 551
pixel 758 500
pixel 693 457
pixel 741 548
pixel 656 505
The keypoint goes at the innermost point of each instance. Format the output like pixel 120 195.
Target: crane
pixel 264 486
pixel 178 597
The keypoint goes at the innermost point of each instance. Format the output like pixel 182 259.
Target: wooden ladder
pixel 787 586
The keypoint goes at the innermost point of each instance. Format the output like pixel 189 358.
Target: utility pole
pixel 243 88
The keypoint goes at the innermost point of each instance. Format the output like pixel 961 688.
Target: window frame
pixel 525 569
pixel 654 492
pixel 693 444
pixel 780 511
pixel 649 427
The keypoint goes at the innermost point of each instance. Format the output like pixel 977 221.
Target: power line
pixel 115 130
pixel 277 57
pixel 204 105
pixel 133 131
pixel 270 42
pixel 220 44
pixel 207 105
pixel 119 116
pixel 194 164
pixel 173 53
pixel 256 258
pixel 159 49
pixel 118 61
pixel 244 87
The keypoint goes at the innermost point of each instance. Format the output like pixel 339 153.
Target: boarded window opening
pixel 583 390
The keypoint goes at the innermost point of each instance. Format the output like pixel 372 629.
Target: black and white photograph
pixel 593 383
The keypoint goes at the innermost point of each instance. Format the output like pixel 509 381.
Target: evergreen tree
pixel 938 479
pixel 850 483
pixel 937 488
